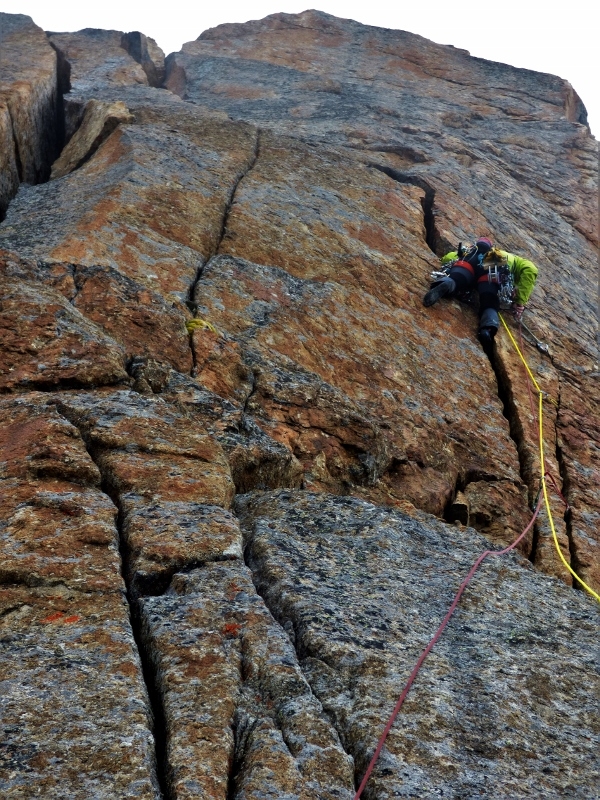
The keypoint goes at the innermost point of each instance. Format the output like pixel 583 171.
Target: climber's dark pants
pixel 489 303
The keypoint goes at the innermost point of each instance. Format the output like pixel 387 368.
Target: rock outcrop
pixel 243 470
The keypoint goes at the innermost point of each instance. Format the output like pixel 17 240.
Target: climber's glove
pixel 517 311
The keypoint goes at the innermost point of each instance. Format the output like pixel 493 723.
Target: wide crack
pixel 432 237
pixel 517 434
pixel 50 141
pixel 566 491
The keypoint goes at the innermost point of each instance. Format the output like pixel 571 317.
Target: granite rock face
pixel 243 470
pixel 30 104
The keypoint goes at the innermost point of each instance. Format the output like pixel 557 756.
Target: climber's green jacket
pixel 524 273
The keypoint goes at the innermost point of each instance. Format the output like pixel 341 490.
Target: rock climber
pixel 486 266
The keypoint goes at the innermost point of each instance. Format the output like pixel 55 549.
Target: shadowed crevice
pixel 136 45
pixel 191 300
pixel 566 491
pixel 231 199
pixel 290 625
pixel 155 699
pixel 517 434
pixel 51 140
pixel 432 238
pixel 63 79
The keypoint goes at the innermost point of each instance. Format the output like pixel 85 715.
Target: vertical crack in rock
pixel 566 490
pixel 191 302
pixel 231 198
pixel 427 202
pixel 52 136
pixel 63 87
pixel 289 626
pixel 155 700
pixel 159 728
pixel 517 434
pixel 428 216
pixel 136 44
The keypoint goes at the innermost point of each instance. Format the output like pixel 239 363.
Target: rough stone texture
pixel 237 695
pixel 164 537
pixel 475 137
pixel 29 122
pixel 289 191
pixel 97 58
pixel 147 53
pixel 362 588
pixel 75 719
pixel 142 446
pixel 45 342
pixel 99 121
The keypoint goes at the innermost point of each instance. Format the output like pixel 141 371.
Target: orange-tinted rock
pixel 58 528
pixel 45 342
pixel 219 366
pixel 143 446
pixel 478 160
pixel 149 204
pixel 97 58
pixel 99 121
pixel 37 442
pixel 314 387
pixel 29 135
pixel 523 405
pixel 135 316
pixel 292 199
pixel 57 533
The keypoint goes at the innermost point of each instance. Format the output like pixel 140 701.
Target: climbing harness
pixel 497 271
pixel 542 497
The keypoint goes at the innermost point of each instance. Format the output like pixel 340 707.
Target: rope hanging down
pixel 543 468
pixel 434 639
pixel 542 495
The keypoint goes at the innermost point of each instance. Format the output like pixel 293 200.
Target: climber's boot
pixel 486 337
pixel 445 287
pixel 488 327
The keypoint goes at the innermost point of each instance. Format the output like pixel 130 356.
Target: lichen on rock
pixel 243 470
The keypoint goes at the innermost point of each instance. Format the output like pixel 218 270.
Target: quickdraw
pixel 501 274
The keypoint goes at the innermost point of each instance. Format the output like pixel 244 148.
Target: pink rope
pixel 433 640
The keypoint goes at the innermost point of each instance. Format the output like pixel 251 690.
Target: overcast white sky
pixel 551 36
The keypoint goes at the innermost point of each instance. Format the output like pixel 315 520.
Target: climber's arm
pixel 525 273
pixel 449 257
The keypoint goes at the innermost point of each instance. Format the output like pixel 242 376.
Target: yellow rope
pixel 550 518
pixel 516 346
pixel 543 469
pixel 197 323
